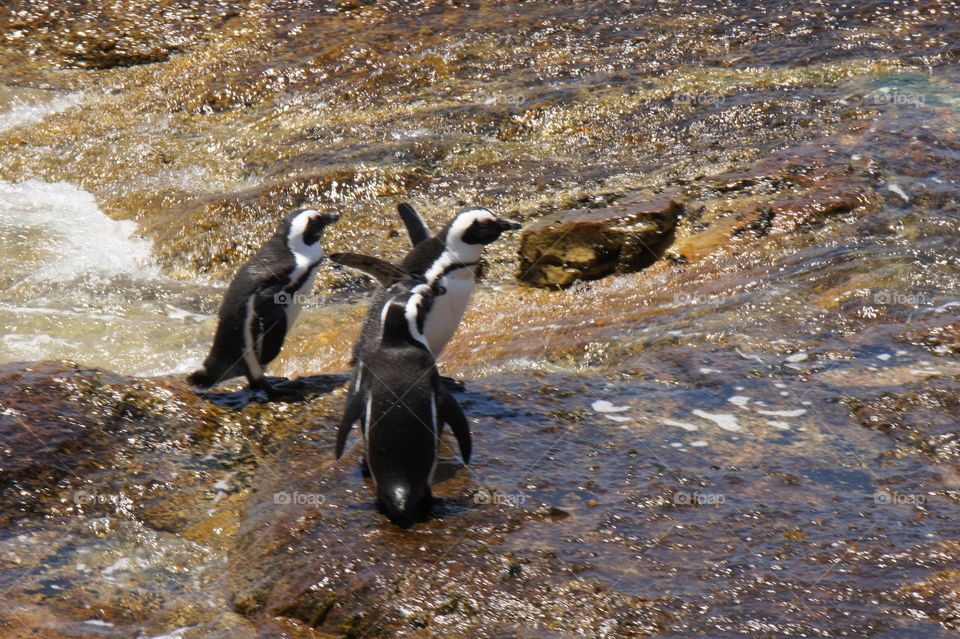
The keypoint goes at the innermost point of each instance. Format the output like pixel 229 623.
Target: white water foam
pixel 77 285
pixel 74 236
pixel 22 113
pixel 684 425
pixel 739 400
pixel 603 406
pixel 723 420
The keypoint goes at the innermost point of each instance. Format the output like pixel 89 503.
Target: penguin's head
pixel 403 316
pixel 306 226
pixel 403 503
pixel 477 227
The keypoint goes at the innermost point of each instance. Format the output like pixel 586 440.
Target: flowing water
pixel 758 435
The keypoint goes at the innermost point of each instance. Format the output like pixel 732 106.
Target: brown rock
pixel 816 205
pixel 593 243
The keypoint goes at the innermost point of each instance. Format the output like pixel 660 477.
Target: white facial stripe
pixel 305 254
pixel 412 310
pixel 478 215
pixel 465 220
pixel 456 249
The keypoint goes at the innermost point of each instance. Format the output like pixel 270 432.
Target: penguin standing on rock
pixel 262 304
pixel 401 405
pixel 448 261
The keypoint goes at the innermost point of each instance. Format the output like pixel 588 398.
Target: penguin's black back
pixel 264 275
pixel 267 271
pixel 402 432
pixel 419 260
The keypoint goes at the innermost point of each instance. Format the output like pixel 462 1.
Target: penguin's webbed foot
pixel 453 385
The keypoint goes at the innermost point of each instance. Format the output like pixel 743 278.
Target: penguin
pixel 448 261
pixel 263 302
pixel 401 404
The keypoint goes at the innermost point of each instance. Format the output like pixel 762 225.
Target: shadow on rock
pixel 306 387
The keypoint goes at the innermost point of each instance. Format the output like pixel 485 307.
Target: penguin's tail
pixel 201 378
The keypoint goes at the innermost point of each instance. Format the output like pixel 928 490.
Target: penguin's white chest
pixel 448 309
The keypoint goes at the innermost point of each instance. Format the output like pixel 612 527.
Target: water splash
pixel 78 285
pixel 22 112
pixel 62 226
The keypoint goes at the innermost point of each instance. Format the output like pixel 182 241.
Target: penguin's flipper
pixel 451 413
pixel 351 414
pixel 269 329
pixel 384 272
pixel 416 228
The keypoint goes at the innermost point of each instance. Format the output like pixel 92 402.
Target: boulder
pixel 587 244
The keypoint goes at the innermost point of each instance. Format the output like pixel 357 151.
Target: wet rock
pixel 938 597
pixel 922 416
pixel 102 36
pixel 814 206
pixel 236 224
pixel 941 339
pixel 593 243
pixel 798 190
pixel 43 441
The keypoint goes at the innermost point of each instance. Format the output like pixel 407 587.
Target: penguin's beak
pixel 508 225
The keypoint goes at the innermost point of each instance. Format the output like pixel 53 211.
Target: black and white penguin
pixel 401 404
pixel 263 302
pixel 448 261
